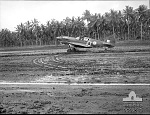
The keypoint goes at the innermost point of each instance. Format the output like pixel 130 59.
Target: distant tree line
pixel 129 24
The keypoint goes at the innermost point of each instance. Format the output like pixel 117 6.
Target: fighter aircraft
pixel 85 42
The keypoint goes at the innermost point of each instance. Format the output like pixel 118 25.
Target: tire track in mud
pixel 49 62
pixel 80 60
pixel 103 65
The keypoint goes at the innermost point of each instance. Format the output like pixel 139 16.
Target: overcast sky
pixel 12 13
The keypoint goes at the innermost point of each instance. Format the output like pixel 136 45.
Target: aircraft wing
pixel 81 45
pixel 84 45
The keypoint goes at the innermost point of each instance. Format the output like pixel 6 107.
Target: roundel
pixel 94 43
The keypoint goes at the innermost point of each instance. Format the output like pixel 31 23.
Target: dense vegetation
pixel 129 24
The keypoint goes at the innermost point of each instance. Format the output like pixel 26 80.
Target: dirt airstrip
pixel 122 65
pixel 67 99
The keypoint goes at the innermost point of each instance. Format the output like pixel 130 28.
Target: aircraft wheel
pixel 105 48
pixel 69 50
pixel 73 49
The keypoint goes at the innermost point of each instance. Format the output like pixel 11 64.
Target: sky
pixel 15 12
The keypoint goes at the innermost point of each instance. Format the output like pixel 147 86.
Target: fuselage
pixel 85 42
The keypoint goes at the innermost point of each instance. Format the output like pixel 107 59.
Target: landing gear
pixel 105 48
pixel 71 50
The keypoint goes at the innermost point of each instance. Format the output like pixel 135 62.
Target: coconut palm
pixel 35 29
pixel 128 14
pixel 21 33
pixel 142 16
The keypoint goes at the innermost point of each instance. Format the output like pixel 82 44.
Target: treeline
pixel 129 24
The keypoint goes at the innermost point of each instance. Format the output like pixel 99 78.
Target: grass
pixel 31 48
pixel 133 43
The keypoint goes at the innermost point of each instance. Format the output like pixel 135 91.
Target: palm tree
pixel 35 29
pixel 29 32
pixel 141 14
pixel 128 14
pixel 7 38
pixel 87 16
pixel 113 18
pixel 111 22
pixel 43 34
pixel 21 33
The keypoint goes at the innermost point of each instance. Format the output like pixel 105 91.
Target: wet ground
pixel 120 65
pixel 80 82
pixel 72 99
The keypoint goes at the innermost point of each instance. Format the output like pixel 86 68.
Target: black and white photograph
pixel 75 57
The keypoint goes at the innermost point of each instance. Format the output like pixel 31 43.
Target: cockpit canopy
pixel 83 38
pixel 86 38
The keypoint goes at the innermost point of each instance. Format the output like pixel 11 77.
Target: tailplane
pixel 111 39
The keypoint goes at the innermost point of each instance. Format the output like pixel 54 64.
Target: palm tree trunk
pixel 104 35
pixel 126 36
pixel 36 41
pixel 68 33
pixel 134 34
pixel 97 33
pixel 128 31
pixel 113 30
pixel 20 41
pixel 40 41
pixel 141 30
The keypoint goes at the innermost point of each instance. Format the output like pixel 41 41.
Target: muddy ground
pixel 121 65
pixel 72 99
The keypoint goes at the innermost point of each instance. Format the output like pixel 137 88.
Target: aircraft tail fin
pixel 110 41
